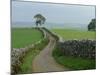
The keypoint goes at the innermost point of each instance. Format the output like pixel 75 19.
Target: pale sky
pixel 54 13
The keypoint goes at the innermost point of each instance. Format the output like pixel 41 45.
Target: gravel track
pixel 44 62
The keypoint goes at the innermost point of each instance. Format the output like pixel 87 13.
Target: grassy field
pixel 22 37
pixel 69 34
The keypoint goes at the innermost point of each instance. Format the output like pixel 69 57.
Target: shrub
pixel 92 25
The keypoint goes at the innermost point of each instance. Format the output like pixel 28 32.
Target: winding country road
pixel 44 62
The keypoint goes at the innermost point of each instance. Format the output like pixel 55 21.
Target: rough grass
pixel 69 34
pixel 74 63
pixel 26 66
pixel 22 37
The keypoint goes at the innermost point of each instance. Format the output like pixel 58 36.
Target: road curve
pixel 44 62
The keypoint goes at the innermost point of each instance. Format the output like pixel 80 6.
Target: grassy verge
pixel 73 63
pixel 26 66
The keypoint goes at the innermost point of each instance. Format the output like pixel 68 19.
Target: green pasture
pixel 69 34
pixel 22 37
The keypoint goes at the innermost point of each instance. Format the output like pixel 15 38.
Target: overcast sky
pixel 54 13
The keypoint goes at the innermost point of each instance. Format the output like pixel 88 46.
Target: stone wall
pixel 78 48
pixel 53 34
